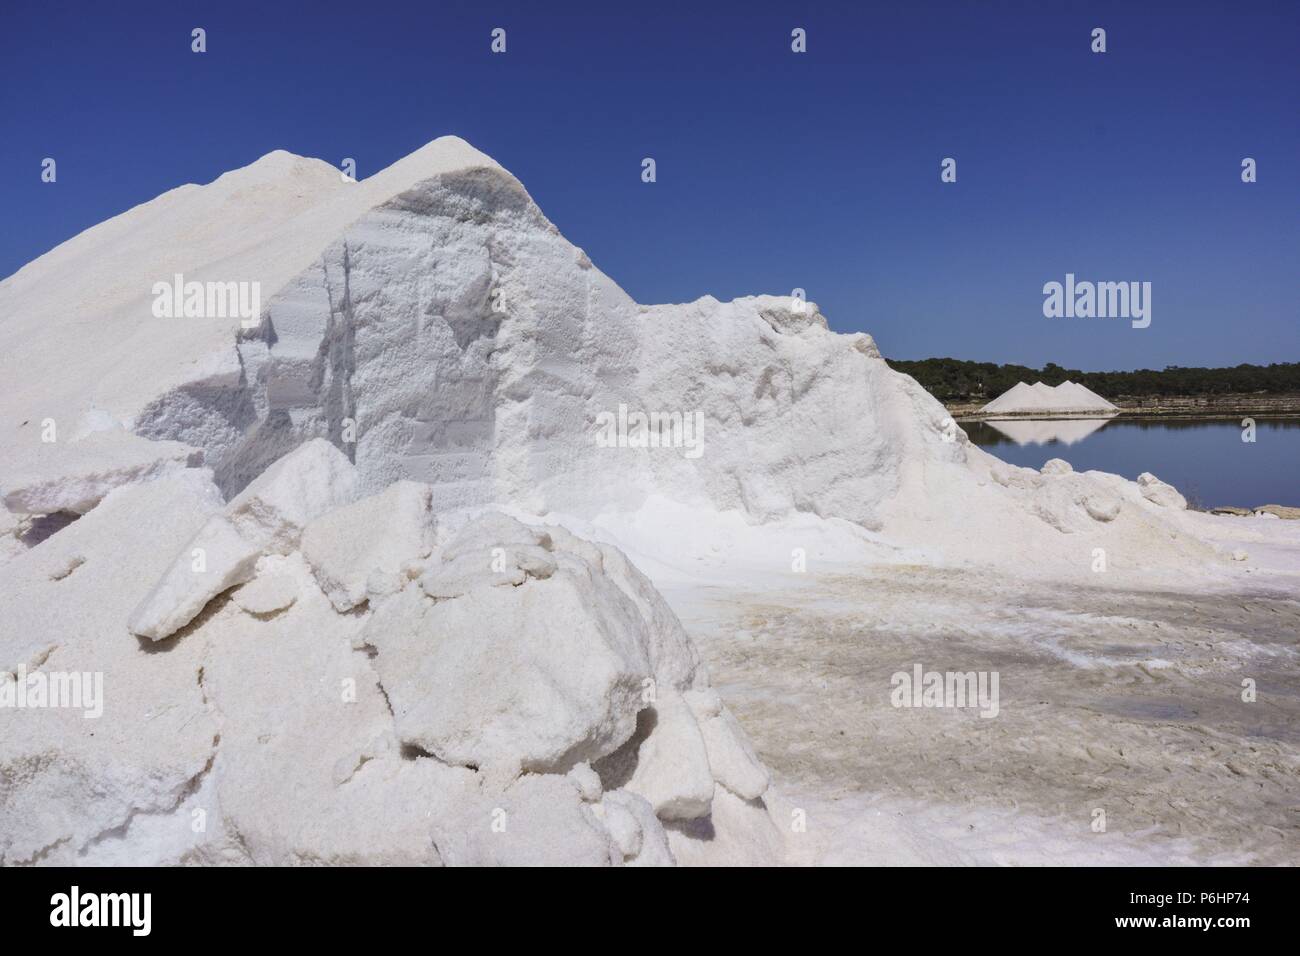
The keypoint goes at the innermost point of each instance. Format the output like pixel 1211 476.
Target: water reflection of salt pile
pixel 1066 431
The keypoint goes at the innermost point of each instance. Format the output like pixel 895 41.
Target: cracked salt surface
pixel 1187 772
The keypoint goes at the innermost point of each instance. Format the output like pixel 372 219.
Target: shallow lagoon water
pixel 1205 459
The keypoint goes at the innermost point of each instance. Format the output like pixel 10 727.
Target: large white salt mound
pixel 433 325
pixel 430 345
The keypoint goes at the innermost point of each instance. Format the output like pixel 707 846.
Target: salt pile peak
pixel 78 323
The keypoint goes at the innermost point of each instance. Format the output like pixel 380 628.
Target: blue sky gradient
pixel 775 170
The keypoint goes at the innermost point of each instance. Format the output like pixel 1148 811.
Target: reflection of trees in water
pixel 1229 421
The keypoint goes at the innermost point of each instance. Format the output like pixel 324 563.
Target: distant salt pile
pixel 1066 398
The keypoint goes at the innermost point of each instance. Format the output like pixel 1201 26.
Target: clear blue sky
pixel 775 170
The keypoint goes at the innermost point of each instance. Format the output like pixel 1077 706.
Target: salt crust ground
pixel 1119 697
pixel 371 665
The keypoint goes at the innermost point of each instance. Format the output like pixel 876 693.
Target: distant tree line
pixel 954 380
